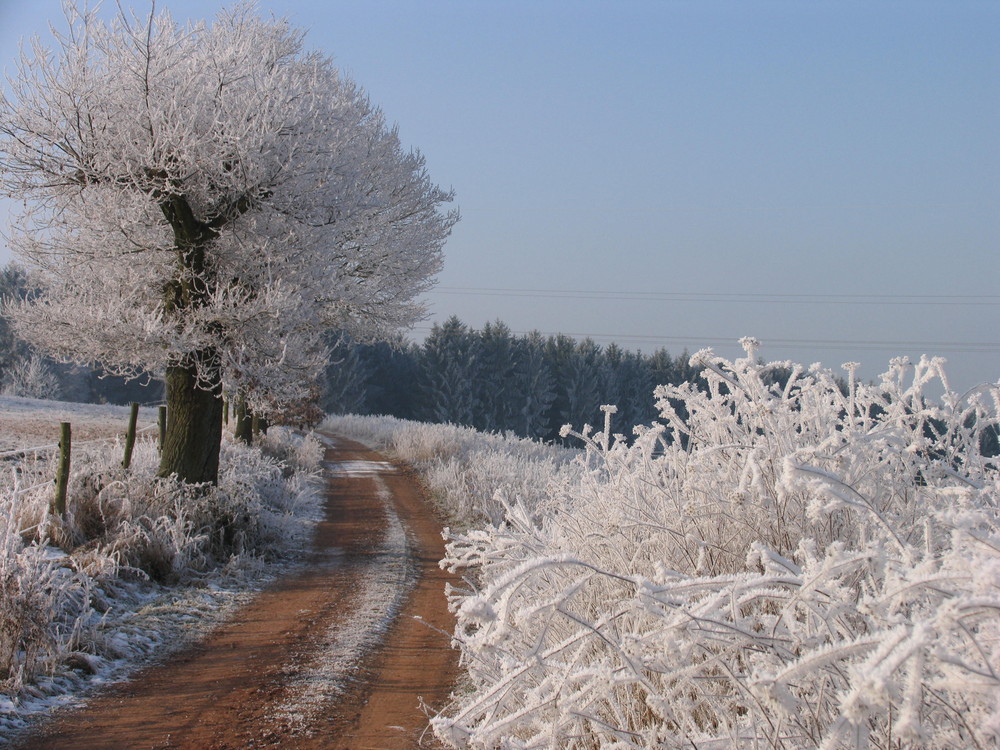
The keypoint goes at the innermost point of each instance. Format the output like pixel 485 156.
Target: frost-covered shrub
pixel 44 604
pixel 31 377
pixel 299 452
pixel 796 565
pixel 45 599
pixel 162 527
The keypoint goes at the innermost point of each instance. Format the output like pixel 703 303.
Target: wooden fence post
pixel 133 417
pixel 62 473
pixel 161 421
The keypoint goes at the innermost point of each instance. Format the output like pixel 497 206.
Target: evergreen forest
pixel 498 381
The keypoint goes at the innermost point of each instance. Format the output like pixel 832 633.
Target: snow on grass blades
pixel 86 594
pixel 784 560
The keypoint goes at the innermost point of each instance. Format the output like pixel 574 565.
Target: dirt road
pixel 341 654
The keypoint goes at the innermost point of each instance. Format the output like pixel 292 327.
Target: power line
pixel 937 347
pixel 922 300
pixel 731 209
pixel 740 294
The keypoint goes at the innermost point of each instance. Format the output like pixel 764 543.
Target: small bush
pixel 295 452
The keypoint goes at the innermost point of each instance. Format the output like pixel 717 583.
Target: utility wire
pixel 918 300
pixel 922 300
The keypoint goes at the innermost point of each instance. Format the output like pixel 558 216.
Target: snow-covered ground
pixel 104 613
pixel 143 622
pixel 30 423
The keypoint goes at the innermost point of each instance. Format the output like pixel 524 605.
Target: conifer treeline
pixel 495 380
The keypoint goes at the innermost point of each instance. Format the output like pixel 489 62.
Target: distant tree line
pixel 490 379
pixel 496 381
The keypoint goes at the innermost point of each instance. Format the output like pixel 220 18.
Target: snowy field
pixel 778 562
pixel 136 569
pixel 28 422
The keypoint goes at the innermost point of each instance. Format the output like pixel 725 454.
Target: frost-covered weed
pixel 30 377
pixel 122 528
pixel 789 566
pixel 298 452
pixel 43 604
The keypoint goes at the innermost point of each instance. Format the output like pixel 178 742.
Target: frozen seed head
pixel 751 346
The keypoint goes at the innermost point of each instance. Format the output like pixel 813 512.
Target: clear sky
pixel 824 176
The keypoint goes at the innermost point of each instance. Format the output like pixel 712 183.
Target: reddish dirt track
pixel 231 691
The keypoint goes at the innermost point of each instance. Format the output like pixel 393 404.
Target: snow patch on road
pixel 357 468
pixel 389 576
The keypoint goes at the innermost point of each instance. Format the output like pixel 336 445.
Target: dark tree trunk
pixel 260 426
pixel 194 421
pixel 244 422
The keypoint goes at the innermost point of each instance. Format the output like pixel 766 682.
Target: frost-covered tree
pixel 31 377
pixel 496 377
pixel 534 387
pixel 627 384
pixel 13 286
pixel 581 376
pixel 393 369
pixel 205 200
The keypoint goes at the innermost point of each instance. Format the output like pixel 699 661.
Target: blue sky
pixel 822 175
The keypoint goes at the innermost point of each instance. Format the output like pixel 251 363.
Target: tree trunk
pixel 194 421
pixel 259 426
pixel 244 422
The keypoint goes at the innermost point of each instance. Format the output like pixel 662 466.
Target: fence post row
pixel 58 506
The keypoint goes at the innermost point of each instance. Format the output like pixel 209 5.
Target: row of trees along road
pixel 205 200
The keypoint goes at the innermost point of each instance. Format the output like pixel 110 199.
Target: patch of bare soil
pixel 264 678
